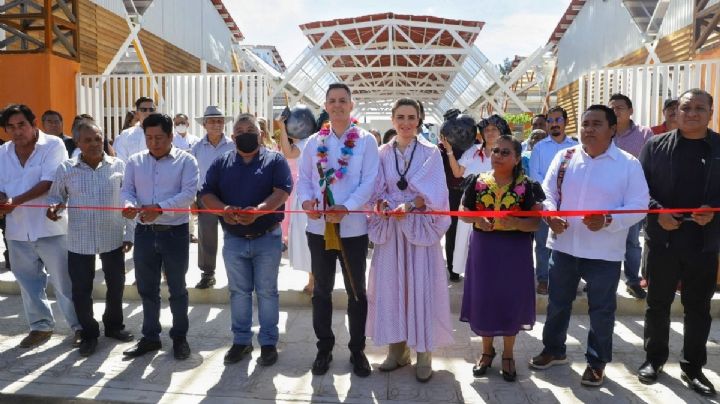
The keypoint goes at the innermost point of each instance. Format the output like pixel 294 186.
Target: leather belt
pixel 257 235
pixel 158 227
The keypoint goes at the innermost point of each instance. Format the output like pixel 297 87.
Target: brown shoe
pixel 592 377
pixel 77 339
pixel 35 338
pixel 542 288
pixel 545 360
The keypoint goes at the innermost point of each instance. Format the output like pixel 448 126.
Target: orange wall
pixel 42 81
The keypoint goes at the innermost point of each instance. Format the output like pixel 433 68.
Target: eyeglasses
pixel 146 109
pixel 558 120
pixel 502 152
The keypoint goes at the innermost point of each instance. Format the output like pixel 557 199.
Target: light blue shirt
pixel 543 154
pixel 170 182
pixel 205 153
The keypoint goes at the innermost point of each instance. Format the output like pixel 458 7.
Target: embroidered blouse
pixel 483 193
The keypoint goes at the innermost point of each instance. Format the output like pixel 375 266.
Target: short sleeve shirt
pixel 242 184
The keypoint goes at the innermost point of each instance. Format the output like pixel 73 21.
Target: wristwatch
pixel 608 220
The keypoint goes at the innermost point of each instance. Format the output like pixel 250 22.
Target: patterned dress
pixel 407 292
pixel 499 294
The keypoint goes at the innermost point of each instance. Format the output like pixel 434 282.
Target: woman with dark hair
pixel 129 121
pixel 499 294
pixel 408 302
pixel 475 160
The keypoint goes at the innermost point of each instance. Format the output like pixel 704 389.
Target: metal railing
pixel 108 97
pixel 648 86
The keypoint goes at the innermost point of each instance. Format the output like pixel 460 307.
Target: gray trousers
pixel 207 242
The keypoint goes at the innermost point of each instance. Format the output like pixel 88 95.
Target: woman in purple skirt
pixel 499 296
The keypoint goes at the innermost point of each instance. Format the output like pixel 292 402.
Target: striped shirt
pixel 77 184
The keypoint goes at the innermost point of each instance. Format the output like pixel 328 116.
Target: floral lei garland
pixel 332 175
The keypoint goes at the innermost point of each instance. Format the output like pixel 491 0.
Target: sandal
pixel 481 367
pixel 509 375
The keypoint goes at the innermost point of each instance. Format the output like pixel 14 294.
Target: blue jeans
pixel 28 259
pixel 542 253
pixel 154 252
pixel 253 265
pixel 633 254
pixel 602 279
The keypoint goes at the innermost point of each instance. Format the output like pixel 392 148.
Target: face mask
pixel 181 129
pixel 247 142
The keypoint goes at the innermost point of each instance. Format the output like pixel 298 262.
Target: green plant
pixel 518 119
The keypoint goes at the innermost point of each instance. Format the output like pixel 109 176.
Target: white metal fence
pixel 648 86
pixel 109 98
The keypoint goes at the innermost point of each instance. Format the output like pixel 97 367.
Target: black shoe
pixel 120 335
pixel 361 366
pixel 142 347
pixel 181 348
pixel 322 363
pixel 206 282
pixel 636 291
pixel 481 368
pixel 699 383
pixel 648 373
pixel 87 347
pixel 509 375
pixel 454 277
pixel 268 355
pixel 236 353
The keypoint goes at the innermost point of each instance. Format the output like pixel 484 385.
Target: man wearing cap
pixel 213 145
pixel 132 140
pixel 670 114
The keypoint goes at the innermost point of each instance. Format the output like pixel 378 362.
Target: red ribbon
pixel 484 213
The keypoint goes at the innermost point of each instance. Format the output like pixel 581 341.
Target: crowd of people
pixel 134 195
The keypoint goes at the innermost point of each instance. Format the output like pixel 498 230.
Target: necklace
pixel 403 184
pixel 332 175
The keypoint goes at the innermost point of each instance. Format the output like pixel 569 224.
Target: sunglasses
pixel 502 152
pixel 558 120
pixel 146 109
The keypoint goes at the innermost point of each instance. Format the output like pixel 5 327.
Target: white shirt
pixel 543 154
pixel 30 224
pixel 473 162
pixel 352 191
pixel 129 142
pixel 185 142
pixel 613 180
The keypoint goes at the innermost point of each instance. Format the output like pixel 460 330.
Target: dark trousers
pixel 323 263
pixel 455 195
pixel 155 251
pixel 602 279
pixel 82 273
pixel 207 242
pixel 698 273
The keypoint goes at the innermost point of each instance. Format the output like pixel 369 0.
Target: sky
pixel 512 27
